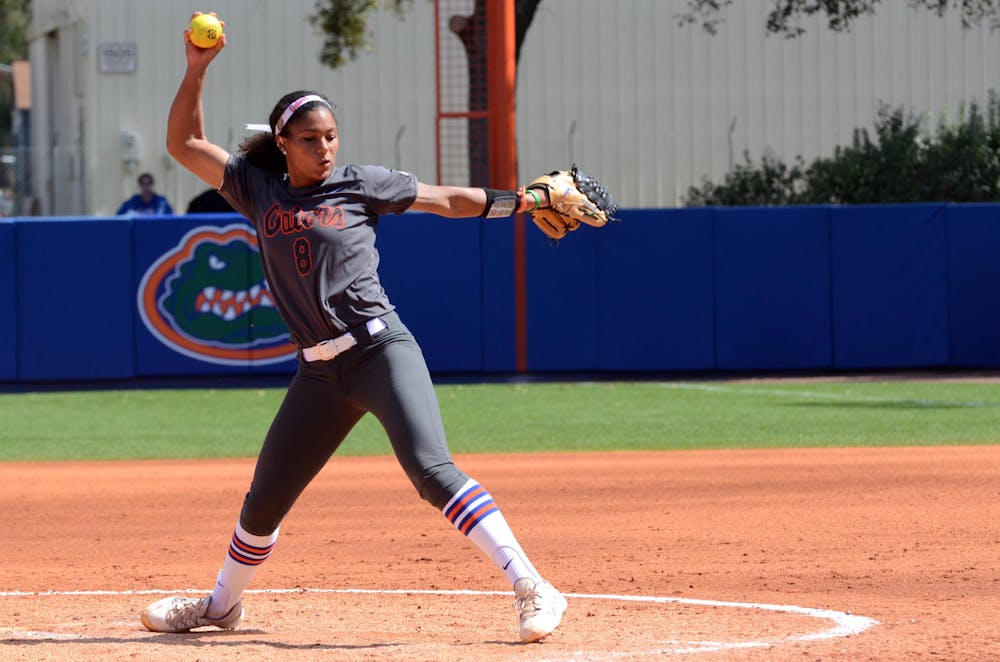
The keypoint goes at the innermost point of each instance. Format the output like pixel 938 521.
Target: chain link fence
pixel 15 182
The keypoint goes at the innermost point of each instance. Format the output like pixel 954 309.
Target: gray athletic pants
pixel 385 375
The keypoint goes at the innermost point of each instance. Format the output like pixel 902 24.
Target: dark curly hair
pixel 261 149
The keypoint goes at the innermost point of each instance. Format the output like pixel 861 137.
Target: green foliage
pixel 785 15
pixel 344 26
pixel 706 12
pixel 770 183
pixel 887 168
pixel 965 159
pixel 15 17
pixel 974 12
pixel 896 162
pixel 783 18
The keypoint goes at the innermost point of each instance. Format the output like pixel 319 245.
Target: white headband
pixel 295 105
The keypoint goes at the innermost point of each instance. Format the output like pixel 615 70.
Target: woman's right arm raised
pixel 186 140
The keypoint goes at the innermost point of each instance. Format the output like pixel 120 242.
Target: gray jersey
pixel 317 243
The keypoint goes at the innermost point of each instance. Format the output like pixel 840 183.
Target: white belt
pixel 329 349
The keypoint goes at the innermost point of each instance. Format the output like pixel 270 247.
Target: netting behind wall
pixel 462 100
pixel 15 181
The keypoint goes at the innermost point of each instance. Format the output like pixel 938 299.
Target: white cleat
pixel 540 607
pixel 183 614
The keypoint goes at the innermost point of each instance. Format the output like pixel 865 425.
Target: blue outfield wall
pixel 562 301
pixel 74 290
pixel 656 291
pixel 430 269
pixel 772 291
pixel 974 286
pixel 890 286
pixel 750 289
pixel 496 252
pixel 8 302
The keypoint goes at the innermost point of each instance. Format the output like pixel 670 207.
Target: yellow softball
pixel 205 30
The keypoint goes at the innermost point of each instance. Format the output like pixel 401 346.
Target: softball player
pixel 315 224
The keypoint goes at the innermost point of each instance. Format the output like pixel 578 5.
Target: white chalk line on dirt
pixel 39 635
pixel 844 624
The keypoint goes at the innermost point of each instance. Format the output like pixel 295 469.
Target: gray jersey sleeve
pixel 239 182
pixel 387 191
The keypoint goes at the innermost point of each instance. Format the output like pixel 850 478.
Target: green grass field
pixel 519 417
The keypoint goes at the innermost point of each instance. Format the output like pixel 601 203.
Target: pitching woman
pixel 315 223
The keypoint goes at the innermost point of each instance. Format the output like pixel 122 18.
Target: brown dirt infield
pixel 909 537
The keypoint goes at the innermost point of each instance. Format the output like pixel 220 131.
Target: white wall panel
pixel 271 50
pixel 616 85
pixel 684 88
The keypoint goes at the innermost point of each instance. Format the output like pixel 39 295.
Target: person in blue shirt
pixel 146 202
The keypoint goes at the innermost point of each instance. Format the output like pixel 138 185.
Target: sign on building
pixel 116 58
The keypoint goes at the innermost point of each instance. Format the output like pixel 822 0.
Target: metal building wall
pixel 652 108
pixel 384 101
pixel 615 85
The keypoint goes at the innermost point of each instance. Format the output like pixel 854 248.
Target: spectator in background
pixel 209 202
pixel 146 202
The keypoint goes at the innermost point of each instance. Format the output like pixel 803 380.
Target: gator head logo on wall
pixel 207 299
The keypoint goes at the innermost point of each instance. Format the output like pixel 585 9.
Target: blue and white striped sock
pixel 246 553
pixel 474 513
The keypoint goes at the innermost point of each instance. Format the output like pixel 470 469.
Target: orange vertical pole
pixel 501 71
pixel 437 89
pixel 501 85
